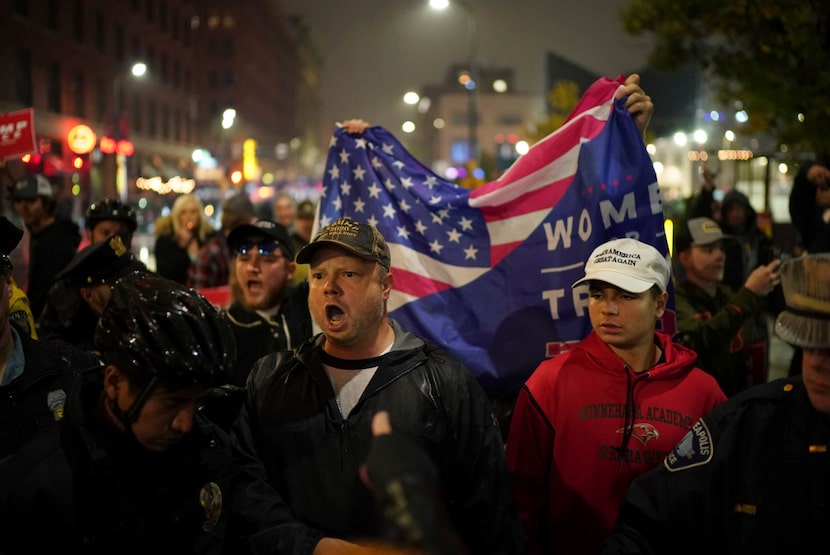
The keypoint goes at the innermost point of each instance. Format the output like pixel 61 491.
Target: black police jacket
pixel 312 454
pixel 752 476
pixel 36 398
pixel 81 487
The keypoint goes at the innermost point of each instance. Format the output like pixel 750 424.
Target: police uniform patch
pixel 55 400
pixel 210 497
pixel 695 449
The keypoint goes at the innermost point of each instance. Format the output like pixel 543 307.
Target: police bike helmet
pixel 110 209
pixel 169 333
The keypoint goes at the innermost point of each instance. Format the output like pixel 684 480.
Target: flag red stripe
pixel 417 284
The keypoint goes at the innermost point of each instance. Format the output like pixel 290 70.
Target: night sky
pixel 376 50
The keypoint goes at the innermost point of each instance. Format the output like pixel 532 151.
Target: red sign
pixel 17 133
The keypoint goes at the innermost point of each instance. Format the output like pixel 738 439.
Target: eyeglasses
pixel 269 251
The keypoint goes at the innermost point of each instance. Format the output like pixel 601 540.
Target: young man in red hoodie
pixel 587 422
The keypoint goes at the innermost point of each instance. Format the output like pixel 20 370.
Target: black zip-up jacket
pixel 257 336
pixel 312 454
pixel 80 486
pixel 752 476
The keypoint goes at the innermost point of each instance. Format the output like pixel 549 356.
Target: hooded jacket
pixel 312 454
pixel 585 425
pixel 751 247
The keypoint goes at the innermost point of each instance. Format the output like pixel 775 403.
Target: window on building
pixel 152 130
pixel 78 22
pixel 165 121
pixel 509 119
pixel 101 93
pixel 150 10
pixel 78 94
pixel 21 7
pixel 177 125
pixel 230 80
pixel 459 152
pixel 174 25
pixel 53 87
pixel 460 117
pixel 100 32
pixel 53 13
pixel 138 115
pixel 23 78
pixel 135 47
pixel 118 42
pixel 165 69
pixel 164 24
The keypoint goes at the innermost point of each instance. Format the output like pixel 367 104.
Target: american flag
pixel 488 273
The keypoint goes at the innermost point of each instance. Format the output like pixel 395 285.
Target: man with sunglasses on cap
pixel 590 420
pixel 308 413
pixel 268 312
pixel 753 475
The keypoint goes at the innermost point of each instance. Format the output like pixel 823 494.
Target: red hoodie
pixel 568 431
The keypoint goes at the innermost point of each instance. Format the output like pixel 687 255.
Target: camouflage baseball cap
pixel 359 239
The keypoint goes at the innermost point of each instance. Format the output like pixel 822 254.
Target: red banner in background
pixel 17 133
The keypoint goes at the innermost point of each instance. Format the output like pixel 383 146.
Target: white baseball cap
pixel 628 264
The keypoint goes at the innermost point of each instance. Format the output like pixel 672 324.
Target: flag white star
pixel 436 218
pixel 344 156
pixel 405 208
pixel 389 211
pixel 372 221
pixel 358 173
pixel 420 227
pixel 345 188
pixel 389 184
pixel 470 253
pixel 402 232
pixel 406 182
pixel 430 181
pixel 374 190
pixel 358 205
pixel 436 247
pixel 376 163
pixel 360 143
pixel 338 204
pixel 434 199
pixel 466 224
pixel 334 172
pixel 453 236
pixel 387 148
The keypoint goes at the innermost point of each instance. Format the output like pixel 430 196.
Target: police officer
pixel 136 467
pixel 753 475
pixel 34 375
pixel 108 217
pixel 88 276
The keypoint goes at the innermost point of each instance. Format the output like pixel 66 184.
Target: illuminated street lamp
pixel 117 143
pixel 471 80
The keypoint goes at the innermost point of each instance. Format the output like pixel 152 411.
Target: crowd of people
pixel 298 417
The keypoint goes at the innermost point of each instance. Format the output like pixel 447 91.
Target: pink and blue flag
pixel 488 273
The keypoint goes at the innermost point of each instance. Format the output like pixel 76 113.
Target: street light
pixel 471 82
pixel 137 70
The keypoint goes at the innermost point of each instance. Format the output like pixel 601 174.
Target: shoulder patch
pixel 695 449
